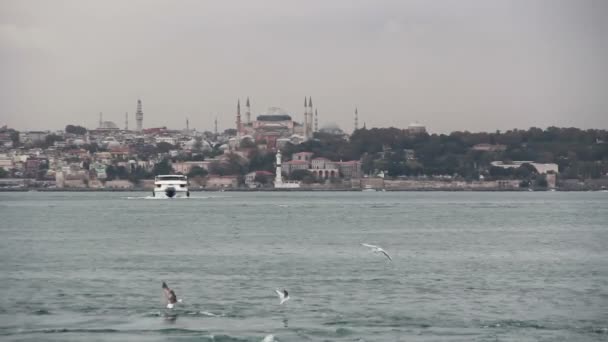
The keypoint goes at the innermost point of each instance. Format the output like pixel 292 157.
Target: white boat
pixel 369 188
pixel 171 186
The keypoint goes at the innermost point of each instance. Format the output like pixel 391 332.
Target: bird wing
pixel 368 245
pixel 281 295
pixel 169 294
pixel 385 253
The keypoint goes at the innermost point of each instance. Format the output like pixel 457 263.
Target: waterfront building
pixel 323 168
pixel 541 168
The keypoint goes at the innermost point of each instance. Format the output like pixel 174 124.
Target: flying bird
pixel 377 249
pixel 283 295
pixel 170 296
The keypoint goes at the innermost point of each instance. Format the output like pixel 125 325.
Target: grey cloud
pixel 453 65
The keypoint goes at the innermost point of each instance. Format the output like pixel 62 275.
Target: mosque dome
pixel 332 128
pixel 274 114
pixel 108 125
pixel 113 144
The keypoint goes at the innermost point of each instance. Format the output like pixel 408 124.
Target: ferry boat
pixel 171 186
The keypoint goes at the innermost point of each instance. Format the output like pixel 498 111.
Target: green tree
pixel 247 143
pixel 299 175
pixel 197 171
pixel 261 161
pixel 116 172
pixel 162 168
pixel 262 179
pixel 164 147
pixel 79 130
pixel 50 139
pixel 14 137
pixel 234 165
pixel 4 173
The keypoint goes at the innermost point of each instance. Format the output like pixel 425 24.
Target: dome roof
pixel 108 125
pixel 274 114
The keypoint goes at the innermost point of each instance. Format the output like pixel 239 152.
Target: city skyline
pixel 467 65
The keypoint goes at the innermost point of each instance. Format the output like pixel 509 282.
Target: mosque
pixel 275 126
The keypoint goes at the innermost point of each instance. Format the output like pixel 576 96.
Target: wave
pixel 172 199
pixel 41 312
pixel 201 335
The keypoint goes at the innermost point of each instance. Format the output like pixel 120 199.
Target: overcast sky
pixel 449 64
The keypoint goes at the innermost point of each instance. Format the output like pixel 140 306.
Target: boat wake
pixel 178 198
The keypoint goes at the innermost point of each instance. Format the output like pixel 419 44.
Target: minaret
pixel 238 120
pixel 316 121
pixel 309 118
pixel 305 118
pixel 356 119
pixel 215 129
pixel 248 111
pixel 278 179
pixel 100 119
pixel 187 125
pixel 126 121
pixel 139 116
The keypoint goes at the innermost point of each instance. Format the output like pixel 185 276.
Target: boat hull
pixel 164 193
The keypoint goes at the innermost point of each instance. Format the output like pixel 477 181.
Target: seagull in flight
pixel 283 295
pixel 170 296
pixel 377 249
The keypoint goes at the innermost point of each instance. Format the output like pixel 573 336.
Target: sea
pixel 466 266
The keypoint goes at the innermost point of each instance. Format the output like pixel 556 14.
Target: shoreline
pixel 300 190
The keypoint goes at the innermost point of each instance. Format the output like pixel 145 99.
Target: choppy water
pixel 467 267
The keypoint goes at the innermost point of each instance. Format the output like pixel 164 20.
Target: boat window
pixel 171 178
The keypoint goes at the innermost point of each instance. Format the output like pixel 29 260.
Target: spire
pixel 215 130
pixel 248 111
pixel 316 121
pixel 187 125
pixel 238 119
pixel 126 121
pixel 310 103
pixel 356 119
pixel 139 116
pixel 306 133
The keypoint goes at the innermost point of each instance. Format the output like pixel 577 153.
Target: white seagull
pixel 283 295
pixel 377 249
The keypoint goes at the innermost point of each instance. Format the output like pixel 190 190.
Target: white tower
pixel 139 116
pixel 278 179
